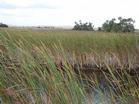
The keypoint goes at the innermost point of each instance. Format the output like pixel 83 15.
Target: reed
pixel 68 67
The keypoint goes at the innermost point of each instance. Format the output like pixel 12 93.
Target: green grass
pixel 31 71
pixel 80 41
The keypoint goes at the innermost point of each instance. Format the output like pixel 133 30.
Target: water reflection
pixel 104 94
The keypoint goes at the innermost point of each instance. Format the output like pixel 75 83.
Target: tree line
pixel 3 25
pixel 113 25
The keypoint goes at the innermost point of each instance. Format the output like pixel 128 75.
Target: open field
pixel 41 66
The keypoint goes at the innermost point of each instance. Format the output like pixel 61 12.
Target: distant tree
pixel 124 25
pixel 99 29
pixel 83 26
pixel 3 25
pixel 108 25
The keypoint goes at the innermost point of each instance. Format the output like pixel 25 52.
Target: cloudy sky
pixel 65 12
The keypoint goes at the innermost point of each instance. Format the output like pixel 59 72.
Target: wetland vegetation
pixel 39 66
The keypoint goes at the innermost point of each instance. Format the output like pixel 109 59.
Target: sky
pixel 66 12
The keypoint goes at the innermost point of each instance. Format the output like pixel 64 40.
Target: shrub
pixel 3 25
pixel 83 26
pixel 124 25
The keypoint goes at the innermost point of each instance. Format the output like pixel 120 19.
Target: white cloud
pixel 65 12
pixel 22 3
pixel 29 3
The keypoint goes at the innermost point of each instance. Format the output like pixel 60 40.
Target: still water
pixel 98 97
pixel 107 93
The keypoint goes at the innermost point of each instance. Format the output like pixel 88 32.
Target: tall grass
pixel 28 78
pixel 79 41
pixel 38 67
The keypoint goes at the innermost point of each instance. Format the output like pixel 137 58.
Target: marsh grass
pixel 38 67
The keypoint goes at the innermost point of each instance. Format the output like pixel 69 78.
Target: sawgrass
pixel 31 73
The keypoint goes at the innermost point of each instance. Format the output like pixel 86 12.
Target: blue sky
pixel 65 12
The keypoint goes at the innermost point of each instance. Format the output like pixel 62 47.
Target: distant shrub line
pixel 122 25
pixel 113 25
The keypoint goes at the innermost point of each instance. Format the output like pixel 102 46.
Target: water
pixel 101 94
